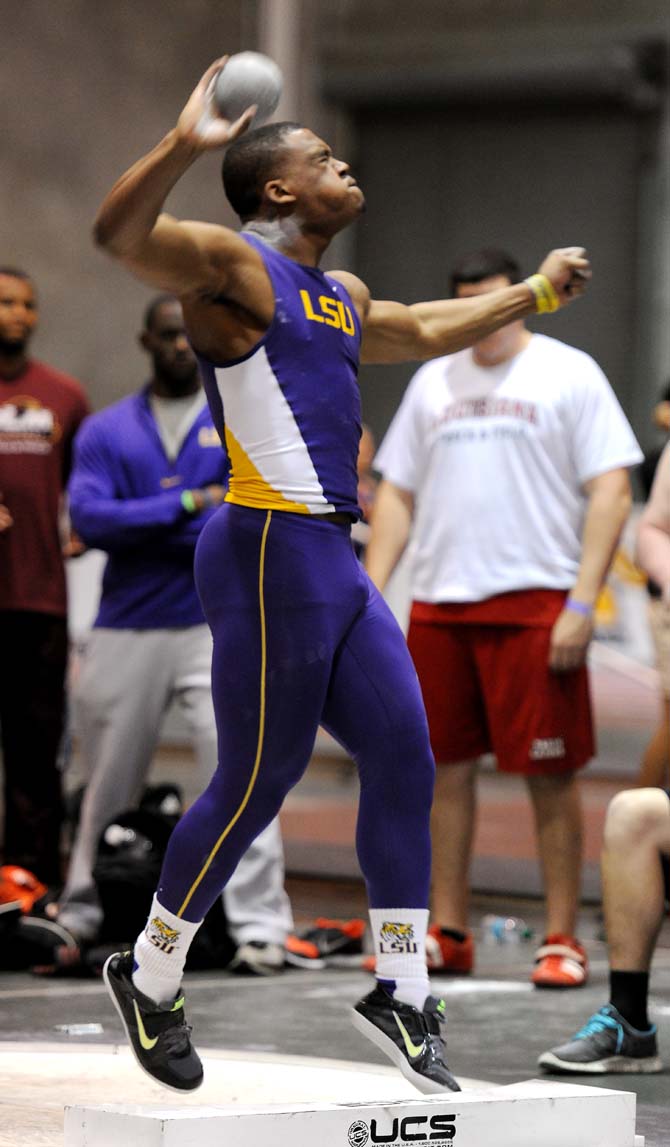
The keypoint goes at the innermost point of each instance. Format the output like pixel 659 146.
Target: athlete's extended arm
pixel 169 254
pixel 396 333
pixel 390 530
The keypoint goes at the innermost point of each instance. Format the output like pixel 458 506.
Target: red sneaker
pixel 561 962
pixel 444 953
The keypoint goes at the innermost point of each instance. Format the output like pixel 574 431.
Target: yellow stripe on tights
pixel 261 727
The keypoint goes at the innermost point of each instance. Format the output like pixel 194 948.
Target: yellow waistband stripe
pixel 261 724
pixel 247 486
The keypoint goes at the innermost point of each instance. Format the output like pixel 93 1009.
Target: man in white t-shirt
pixel 508 464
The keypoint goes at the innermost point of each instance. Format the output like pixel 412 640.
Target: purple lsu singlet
pixel 301 636
pixel 289 412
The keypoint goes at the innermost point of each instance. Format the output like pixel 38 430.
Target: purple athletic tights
pixel 301 639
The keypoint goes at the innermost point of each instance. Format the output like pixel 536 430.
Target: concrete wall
pixel 385 37
pixel 87 87
pixel 519 79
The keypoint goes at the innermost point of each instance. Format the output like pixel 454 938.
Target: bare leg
pixel 636 832
pixel 558 821
pixel 452 830
pixel 654 767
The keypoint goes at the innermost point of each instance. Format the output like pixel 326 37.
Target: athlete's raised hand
pixel 200 123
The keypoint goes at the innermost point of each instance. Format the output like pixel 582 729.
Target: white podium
pixel 532 1114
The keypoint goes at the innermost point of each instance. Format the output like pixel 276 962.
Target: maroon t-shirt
pixel 40 412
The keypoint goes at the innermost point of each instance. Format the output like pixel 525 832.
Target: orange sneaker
pixel 444 953
pixel 301 953
pixel 328 944
pixel 18 885
pixel 561 962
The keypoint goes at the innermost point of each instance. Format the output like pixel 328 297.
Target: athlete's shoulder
pixel 232 268
pixel 215 239
pixel 357 289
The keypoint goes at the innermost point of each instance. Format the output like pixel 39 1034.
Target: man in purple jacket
pixel 148 473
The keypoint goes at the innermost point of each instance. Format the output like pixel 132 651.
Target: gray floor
pixel 497 1024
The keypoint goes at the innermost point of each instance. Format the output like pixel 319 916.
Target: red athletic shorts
pixel 487 686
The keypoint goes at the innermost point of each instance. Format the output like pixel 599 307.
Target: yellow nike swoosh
pixel 146 1042
pixel 413 1050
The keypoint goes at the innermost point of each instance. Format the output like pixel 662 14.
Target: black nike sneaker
pixel 159 1037
pixel 410 1038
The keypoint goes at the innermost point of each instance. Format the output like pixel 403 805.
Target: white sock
pixel 399 936
pixel 160 953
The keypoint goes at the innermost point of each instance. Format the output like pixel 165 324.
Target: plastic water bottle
pixel 505 930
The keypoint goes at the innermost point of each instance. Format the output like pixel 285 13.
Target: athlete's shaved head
pixel 250 162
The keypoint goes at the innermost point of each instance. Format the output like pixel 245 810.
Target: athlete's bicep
pixel 184 256
pixel 391 333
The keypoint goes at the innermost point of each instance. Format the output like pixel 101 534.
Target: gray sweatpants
pixel 128 678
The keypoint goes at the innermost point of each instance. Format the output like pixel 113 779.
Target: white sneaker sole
pixel 292 960
pixel 615 1065
pixel 318 963
pixel 44 931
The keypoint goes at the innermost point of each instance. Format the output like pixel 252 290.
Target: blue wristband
pixel 579 607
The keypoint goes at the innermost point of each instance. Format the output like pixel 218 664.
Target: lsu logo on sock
pixel 161 935
pixel 397 938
